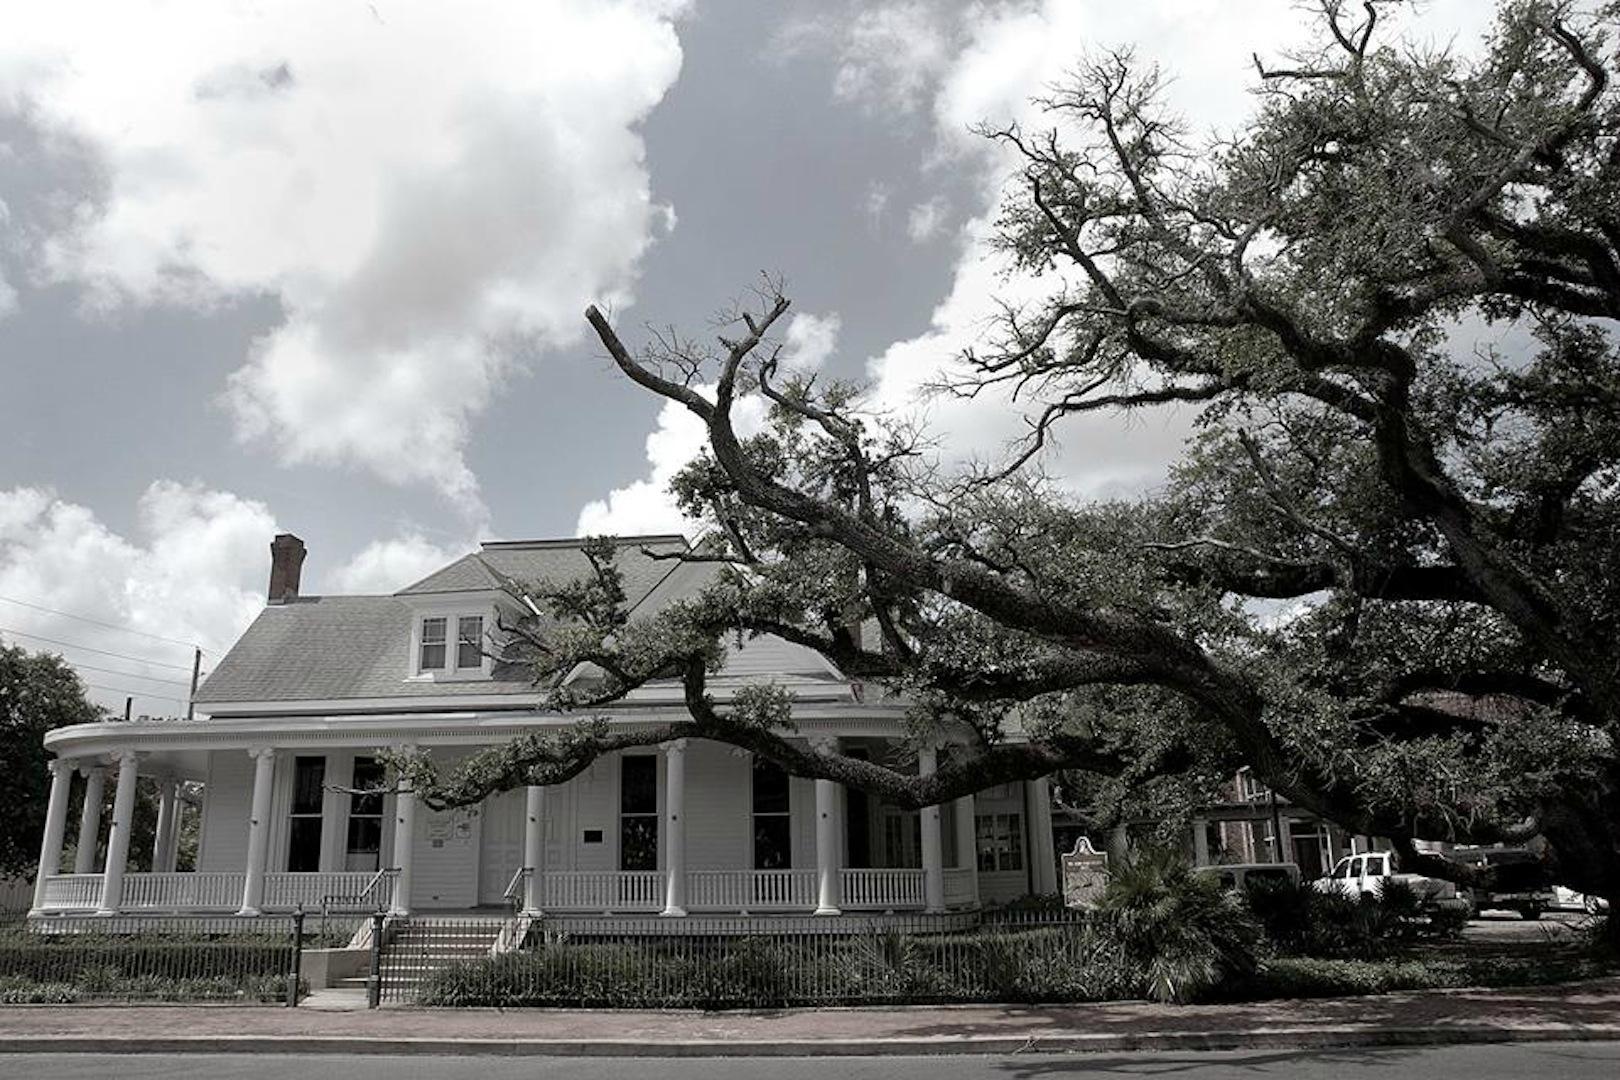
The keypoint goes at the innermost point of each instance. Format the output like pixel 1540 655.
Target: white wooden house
pixel 292 718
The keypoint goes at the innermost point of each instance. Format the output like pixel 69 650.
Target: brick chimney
pixel 286 564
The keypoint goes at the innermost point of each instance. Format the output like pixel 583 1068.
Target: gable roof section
pixel 529 561
pixel 331 647
pixel 334 648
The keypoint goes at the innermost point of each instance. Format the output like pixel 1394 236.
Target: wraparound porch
pixel 291 826
pixel 560 892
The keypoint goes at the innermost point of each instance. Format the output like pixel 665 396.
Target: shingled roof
pixel 335 648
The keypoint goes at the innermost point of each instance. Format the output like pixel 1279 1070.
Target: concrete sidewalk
pixel 1588 1011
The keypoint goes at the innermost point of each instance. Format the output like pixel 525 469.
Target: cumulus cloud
pixel 982 63
pixel 888 55
pixel 428 190
pixel 194 571
pixel 645 505
pixel 386 566
pixel 926 220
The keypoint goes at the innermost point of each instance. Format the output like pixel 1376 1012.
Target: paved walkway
pixel 1585 1011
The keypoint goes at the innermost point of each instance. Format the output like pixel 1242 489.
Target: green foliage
pixel 1186 933
pixel 1071 961
pixel 1316 977
pixel 38 692
pixel 155 967
pixel 1300 920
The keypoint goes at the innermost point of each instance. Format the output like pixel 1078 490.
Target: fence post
pixel 297 957
pixel 374 980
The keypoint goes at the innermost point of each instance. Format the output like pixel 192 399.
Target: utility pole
pixel 196 670
pixel 129 705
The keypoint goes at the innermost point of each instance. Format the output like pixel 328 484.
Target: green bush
pixel 1183 930
pixel 1315 977
pixel 1067 962
pixel 1300 920
pixel 145 967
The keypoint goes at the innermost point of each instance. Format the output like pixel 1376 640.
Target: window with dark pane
pixel 364 848
pixel 773 823
pixel 470 641
pixel 304 833
pixel 433 631
pixel 638 812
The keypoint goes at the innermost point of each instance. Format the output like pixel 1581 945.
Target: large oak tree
pixel 1384 573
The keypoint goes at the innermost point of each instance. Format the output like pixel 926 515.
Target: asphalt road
pixel 1503 926
pixel 1566 1061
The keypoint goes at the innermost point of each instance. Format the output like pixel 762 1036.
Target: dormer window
pixel 440 655
pixel 470 642
pixel 433 643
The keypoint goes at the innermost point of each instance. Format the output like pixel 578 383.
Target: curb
pixel 1302 1038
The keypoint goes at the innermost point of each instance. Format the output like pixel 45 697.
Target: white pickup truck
pixel 1357 875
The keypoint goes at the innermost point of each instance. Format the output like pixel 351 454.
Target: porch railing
pixel 882 890
pixel 750 890
pixel 603 890
pixel 959 886
pixel 567 891
pixel 185 892
pixel 73 892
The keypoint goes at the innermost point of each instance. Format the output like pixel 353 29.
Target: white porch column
pixel 534 848
pixel 1200 831
pixel 112 885
pixel 675 827
pixel 50 848
pixel 171 857
pixel 264 771
pixel 828 820
pixel 933 847
pixel 95 789
pixel 1285 839
pixel 404 842
pixel 967 840
pixel 163 835
pixel 1042 846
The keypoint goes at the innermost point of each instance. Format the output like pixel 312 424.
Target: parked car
pixel 1521 887
pixel 1239 875
pixel 1362 875
pixel 1570 900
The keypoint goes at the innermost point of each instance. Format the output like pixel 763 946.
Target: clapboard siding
pixel 227 798
pixel 718 832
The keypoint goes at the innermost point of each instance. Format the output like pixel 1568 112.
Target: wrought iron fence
pixel 719 962
pixel 154 958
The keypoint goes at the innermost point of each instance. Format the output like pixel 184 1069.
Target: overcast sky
pixel 320 267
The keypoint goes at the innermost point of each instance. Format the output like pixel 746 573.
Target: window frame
pixel 782 818
pixel 452 641
pixel 297 817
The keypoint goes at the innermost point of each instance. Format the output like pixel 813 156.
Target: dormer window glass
pixel 433 643
pixel 470 642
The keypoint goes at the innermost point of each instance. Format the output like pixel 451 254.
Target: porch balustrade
pixel 883 890
pixel 72 892
pixel 603 890
pixel 635 891
pixel 751 890
pixel 959 887
pixel 220 891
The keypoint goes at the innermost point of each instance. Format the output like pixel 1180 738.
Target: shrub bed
pixel 1072 962
pixel 79 967
pixel 1316 977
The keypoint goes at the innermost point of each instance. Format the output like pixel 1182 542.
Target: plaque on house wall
pixel 1085 875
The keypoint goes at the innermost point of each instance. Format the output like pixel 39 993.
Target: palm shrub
pixel 1185 932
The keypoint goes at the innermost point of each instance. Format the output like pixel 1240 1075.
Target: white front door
pixel 501 845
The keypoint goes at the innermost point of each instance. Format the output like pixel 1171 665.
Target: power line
pixel 99 652
pixel 132 675
pixel 133 693
pixel 103 625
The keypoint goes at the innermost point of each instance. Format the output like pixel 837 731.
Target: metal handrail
pixel 513 896
pixel 359 900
